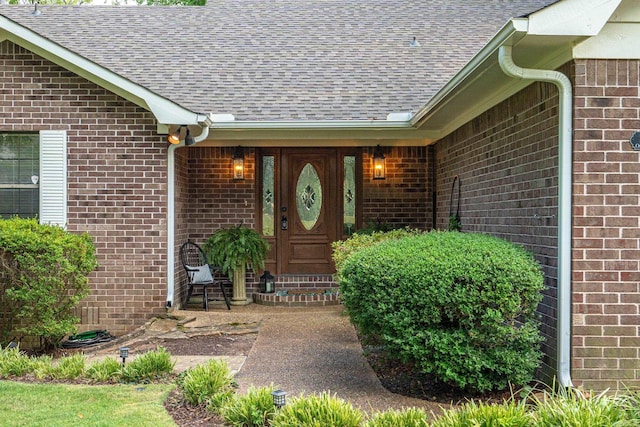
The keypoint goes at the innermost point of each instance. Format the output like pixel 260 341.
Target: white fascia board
pixel 572 18
pixel 313 125
pixel 615 41
pixel 513 30
pixel 325 130
pixel 163 109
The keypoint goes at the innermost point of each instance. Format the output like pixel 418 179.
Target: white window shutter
pixel 53 177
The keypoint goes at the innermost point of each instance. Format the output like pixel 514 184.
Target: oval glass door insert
pixel 309 196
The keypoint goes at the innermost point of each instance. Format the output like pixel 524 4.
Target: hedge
pixel 43 277
pixel 461 306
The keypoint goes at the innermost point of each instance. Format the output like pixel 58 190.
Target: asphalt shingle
pixel 283 59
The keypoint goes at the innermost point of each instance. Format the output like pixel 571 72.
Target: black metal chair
pixel 201 274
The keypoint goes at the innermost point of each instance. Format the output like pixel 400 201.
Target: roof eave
pixel 163 109
pixel 545 39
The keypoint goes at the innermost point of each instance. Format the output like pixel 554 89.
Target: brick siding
pixel 211 199
pixel 403 198
pixel 116 181
pixel 506 161
pixel 605 236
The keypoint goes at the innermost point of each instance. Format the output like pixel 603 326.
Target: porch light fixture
pixel 279 398
pixel 238 163
pixel 124 353
pixel 188 139
pixel 174 138
pixel 267 283
pixel 379 164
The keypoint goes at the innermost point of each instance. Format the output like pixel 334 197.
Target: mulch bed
pixel 406 380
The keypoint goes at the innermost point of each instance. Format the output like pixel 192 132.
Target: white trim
pixel 616 40
pixel 164 110
pixel 572 18
pixel 314 125
pixel 53 177
pixel 511 31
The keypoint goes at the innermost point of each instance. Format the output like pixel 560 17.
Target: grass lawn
pixel 36 404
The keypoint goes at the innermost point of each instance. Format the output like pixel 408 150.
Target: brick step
pixel 299 297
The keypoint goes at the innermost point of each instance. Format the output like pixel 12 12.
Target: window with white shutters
pixel 33 176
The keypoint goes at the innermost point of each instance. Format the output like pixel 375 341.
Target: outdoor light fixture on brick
pixel 267 283
pixel 379 164
pixel 279 398
pixel 124 353
pixel 238 163
pixel 174 138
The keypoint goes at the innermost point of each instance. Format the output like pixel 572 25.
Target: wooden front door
pixel 308 210
pixel 307 199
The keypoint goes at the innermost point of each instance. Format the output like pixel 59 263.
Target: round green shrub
pixel 342 249
pixel 43 276
pixel 460 306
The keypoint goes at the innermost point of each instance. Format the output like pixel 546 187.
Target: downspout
pixel 565 178
pixel 171 191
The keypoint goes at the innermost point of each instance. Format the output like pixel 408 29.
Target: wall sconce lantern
pixel 238 163
pixel 279 398
pixel 379 164
pixel 267 283
pixel 124 353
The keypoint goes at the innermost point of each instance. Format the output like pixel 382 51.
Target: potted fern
pixel 234 249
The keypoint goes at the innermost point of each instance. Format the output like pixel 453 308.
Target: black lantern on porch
pixel 379 164
pixel 267 283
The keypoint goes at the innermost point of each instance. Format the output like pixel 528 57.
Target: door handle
pixel 284 223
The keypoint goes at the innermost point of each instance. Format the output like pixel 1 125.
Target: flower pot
pixel 239 287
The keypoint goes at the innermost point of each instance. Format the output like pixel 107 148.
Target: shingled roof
pixel 283 59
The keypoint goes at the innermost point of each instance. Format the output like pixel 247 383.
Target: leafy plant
pixel 342 249
pixel 13 362
pixel 460 306
pixel 43 277
pixel 472 414
pixel 107 370
pixel 149 366
pixel 202 382
pixel 409 417
pixel 573 408
pixel 42 366
pixel 317 410
pixel 454 223
pixel 236 247
pixel 69 367
pixel 255 409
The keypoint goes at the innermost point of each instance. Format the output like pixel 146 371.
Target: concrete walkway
pixel 313 350
pixel 300 350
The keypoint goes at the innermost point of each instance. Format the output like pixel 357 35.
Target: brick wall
pixel 181 223
pixel 605 238
pixel 506 161
pixel 116 181
pixel 403 198
pixel 209 197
